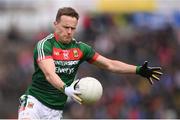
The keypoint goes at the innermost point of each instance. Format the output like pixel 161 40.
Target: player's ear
pixel 55 23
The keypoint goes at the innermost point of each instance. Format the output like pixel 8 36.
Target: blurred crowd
pixel 116 36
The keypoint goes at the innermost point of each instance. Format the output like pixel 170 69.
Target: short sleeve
pixel 43 50
pixel 89 54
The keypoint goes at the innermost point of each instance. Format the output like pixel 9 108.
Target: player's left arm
pixel 120 67
pixel 114 65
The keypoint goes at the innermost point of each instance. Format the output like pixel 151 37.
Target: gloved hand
pixel 149 72
pixel 71 92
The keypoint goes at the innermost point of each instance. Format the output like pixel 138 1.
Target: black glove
pixel 149 72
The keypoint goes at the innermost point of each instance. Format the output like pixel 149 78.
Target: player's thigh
pixel 52 115
pixel 29 108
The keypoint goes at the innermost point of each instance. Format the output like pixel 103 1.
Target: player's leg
pixel 28 108
pixel 31 108
pixel 51 114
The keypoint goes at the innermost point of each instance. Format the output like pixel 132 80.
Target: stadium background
pixel 129 30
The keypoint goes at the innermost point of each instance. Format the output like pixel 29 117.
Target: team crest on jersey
pixel 66 54
pixel 56 53
pixel 75 53
pixel 30 105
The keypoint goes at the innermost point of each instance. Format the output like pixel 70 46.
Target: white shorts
pixel 31 108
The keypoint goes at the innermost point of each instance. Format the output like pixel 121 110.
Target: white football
pixel 91 90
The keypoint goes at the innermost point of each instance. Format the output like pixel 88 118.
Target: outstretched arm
pixel 120 67
pixel 114 65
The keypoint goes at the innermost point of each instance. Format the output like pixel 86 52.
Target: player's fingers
pixel 75 82
pixel 145 64
pixel 157 72
pixel 77 99
pixel 155 68
pixel 155 77
pixel 151 81
pixel 77 92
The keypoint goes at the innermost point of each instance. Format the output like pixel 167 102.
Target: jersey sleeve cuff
pixel 46 57
pixel 94 58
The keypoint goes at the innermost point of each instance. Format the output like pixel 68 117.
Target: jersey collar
pixel 56 36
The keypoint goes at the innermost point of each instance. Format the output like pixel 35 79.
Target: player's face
pixel 65 28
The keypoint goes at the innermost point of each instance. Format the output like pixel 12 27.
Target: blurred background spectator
pixel 129 31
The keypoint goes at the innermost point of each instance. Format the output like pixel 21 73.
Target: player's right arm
pixel 48 68
pixel 43 58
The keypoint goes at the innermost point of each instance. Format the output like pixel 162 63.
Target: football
pixel 91 90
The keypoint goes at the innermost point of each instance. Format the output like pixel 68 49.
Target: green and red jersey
pixel 67 58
